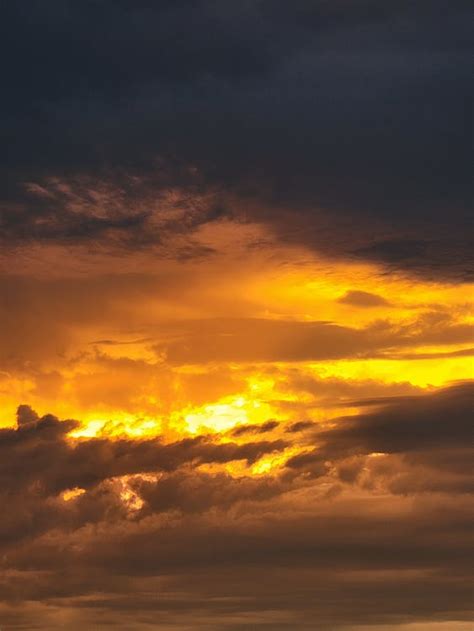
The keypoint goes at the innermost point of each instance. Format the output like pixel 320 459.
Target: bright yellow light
pixel 119 425
pixel 270 462
pixel 417 372
pixel 226 414
pixel 131 499
pixel 72 494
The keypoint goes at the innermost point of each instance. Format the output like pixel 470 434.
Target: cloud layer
pixel 368 509
pixel 235 318
pixel 342 127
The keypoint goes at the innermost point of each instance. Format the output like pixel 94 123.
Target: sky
pixel 236 342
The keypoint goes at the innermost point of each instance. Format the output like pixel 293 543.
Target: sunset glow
pixel 236 316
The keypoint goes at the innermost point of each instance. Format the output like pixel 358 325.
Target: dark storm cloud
pixel 38 452
pixel 440 420
pixel 224 601
pixel 197 540
pixel 421 444
pixel 197 492
pixel 117 210
pixel 322 112
pixel 38 462
pixel 366 565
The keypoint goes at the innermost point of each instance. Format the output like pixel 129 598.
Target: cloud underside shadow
pixel 371 504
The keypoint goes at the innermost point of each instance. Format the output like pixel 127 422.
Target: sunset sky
pixel 236 341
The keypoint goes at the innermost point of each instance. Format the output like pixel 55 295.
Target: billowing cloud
pixel 59 464
pixel 235 318
pixel 147 512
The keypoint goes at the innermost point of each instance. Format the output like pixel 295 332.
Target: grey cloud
pixel 193 492
pixel 379 556
pixel 268 426
pixel 38 453
pixel 337 526
pixel 343 124
pixel 406 445
pixel 25 414
pixel 300 426
pixel 438 420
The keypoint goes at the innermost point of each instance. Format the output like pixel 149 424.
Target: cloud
pixel 268 426
pixel 197 197
pixel 116 212
pixel 25 415
pixel 266 340
pixel 358 298
pixel 407 425
pixel 406 445
pixel 193 492
pixel 300 426
pixel 56 463
pixel 290 111
pixel 339 523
